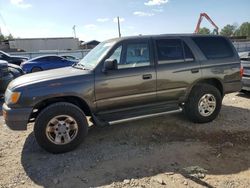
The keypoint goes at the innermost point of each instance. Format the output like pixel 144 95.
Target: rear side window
pixel 214 47
pixel 169 50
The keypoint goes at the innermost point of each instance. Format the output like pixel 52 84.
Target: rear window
pixel 214 47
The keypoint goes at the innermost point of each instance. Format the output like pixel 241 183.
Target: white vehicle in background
pixel 245 63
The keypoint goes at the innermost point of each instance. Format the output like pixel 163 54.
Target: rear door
pixel 177 68
pixel 133 83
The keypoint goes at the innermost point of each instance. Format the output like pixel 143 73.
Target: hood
pixel 3 63
pixel 14 66
pixel 47 76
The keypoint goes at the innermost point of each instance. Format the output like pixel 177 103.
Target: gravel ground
pixel 166 151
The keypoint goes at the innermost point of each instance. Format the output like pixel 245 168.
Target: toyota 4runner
pixel 121 80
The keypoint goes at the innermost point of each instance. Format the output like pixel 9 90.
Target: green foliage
pixel 9 37
pixel 204 31
pixel 228 30
pixel 2 38
pixel 243 30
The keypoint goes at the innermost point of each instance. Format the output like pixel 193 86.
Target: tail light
pixel 241 71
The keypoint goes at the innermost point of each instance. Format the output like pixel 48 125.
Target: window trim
pixel 184 52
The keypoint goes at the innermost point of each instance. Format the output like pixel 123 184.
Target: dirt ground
pixel 166 151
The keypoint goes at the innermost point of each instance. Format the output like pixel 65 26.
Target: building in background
pixel 44 44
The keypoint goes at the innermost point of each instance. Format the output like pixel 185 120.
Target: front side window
pixel 137 55
pixel 169 51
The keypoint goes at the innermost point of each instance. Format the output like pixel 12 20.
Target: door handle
pixel 195 70
pixel 147 76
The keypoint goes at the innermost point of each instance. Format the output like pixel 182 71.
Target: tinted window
pixel 169 50
pixel 188 53
pixel 137 55
pixel 214 47
pixel 55 58
pixel 41 59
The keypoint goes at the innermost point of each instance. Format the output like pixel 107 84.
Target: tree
pixel 243 30
pixel 1 37
pixel 10 37
pixel 228 30
pixel 204 31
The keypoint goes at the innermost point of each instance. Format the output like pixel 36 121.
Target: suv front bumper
pixel 16 119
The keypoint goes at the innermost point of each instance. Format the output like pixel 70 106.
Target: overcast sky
pixel 95 19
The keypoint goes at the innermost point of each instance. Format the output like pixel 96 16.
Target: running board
pixel 144 116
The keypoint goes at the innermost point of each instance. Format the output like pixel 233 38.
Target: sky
pixel 96 19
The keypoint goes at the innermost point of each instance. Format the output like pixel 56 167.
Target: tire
pixel 209 110
pixel 36 69
pixel 52 121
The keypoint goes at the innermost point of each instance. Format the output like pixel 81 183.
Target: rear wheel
pixel 60 127
pixel 204 103
pixel 36 69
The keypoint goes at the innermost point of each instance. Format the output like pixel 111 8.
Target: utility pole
pixel 119 29
pixel 74 30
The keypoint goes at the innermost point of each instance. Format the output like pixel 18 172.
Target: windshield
pixel 4 53
pixel 94 56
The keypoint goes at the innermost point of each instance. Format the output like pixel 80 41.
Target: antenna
pixel 119 28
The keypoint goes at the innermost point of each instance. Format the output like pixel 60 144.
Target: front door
pixel 132 83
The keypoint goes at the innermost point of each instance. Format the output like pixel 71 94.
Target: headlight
pixel 11 97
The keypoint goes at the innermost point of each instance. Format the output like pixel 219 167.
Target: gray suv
pixel 121 80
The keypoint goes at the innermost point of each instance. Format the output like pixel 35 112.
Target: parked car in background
pixel 121 80
pixel 15 70
pixel 17 60
pixel 45 63
pixel 245 64
pixel 71 58
pixel 5 76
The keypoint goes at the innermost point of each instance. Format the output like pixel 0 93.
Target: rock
pixel 55 181
pixel 219 155
pixel 196 171
pixel 159 180
pixel 22 182
pixel 126 181
pixel 185 182
pixel 228 144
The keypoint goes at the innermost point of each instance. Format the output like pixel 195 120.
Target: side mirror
pixel 109 64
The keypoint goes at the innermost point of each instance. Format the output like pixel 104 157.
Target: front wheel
pixel 204 103
pixel 60 127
